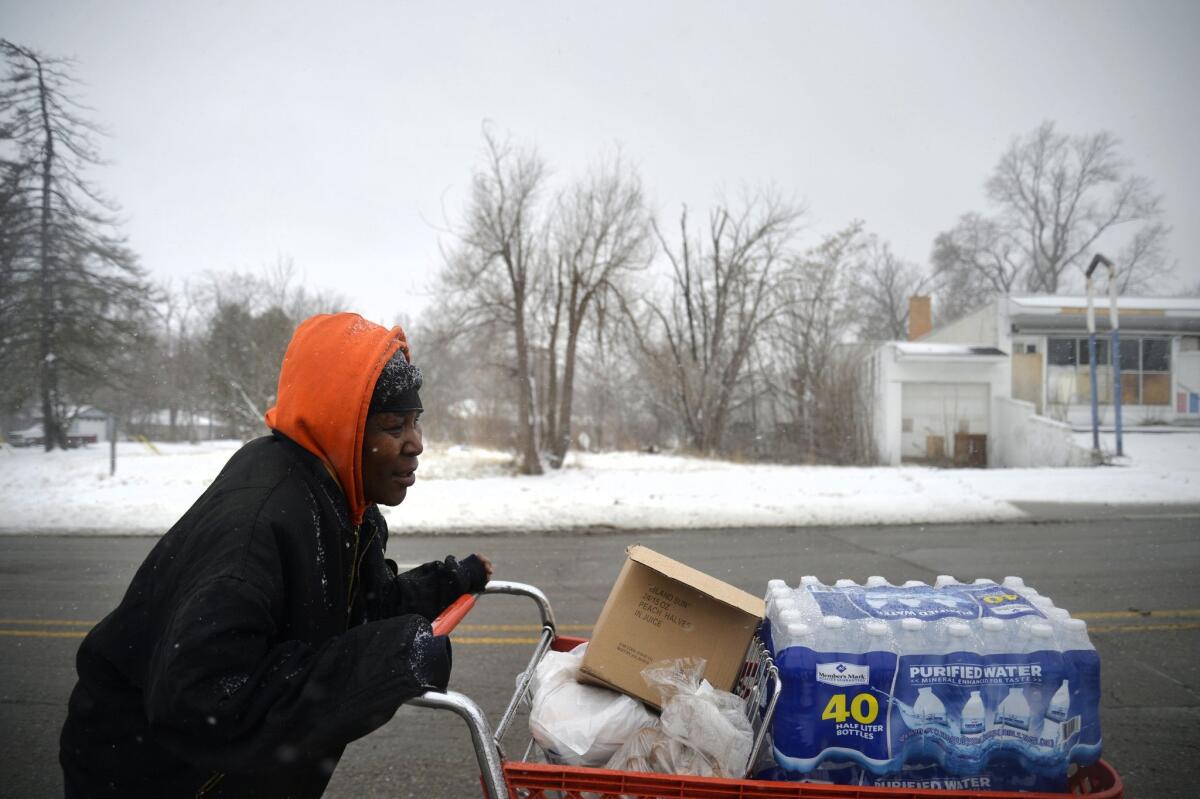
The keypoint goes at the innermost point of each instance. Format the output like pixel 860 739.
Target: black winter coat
pixel 261 635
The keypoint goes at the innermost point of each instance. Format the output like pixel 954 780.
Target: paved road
pixel 1134 578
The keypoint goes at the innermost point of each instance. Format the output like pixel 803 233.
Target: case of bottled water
pixel 979 685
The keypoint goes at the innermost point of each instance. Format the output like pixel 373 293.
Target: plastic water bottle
pixel 777 602
pixel 1043 603
pixel 1014 710
pixel 789 617
pixel 845 583
pixel 944 580
pixel 774 598
pixel 777 598
pixel 994 638
pixel 1076 635
pixel 801 634
pixel 876 581
pixel 808 580
pixel 973 720
pixel 1060 703
pixel 960 638
pixel 928 707
pixel 1041 637
pixel 1014 583
pixel 911 638
pixel 833 634
pixel 879 637
pixel 913 584
pixel 1059 616
pixel 984 581
pixel 781 601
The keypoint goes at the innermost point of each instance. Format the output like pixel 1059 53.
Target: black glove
pixel 473 572
pixel 432 659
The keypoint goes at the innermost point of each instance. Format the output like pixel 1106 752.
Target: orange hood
pixel 325 385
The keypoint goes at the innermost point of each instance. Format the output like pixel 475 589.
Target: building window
pixel 1145 371
pixel 1062 352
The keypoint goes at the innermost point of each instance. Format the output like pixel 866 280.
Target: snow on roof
pixel 163 417
pixel 1054 302
pixel 946 350
pixel 34 431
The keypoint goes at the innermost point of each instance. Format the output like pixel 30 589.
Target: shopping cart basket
pixel 758 684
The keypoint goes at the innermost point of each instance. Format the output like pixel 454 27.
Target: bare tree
pixel 1059 194
pixel 723 290
pixel 818 313
pixel 83 292
pixel 601 233
pixel 493 274
pixel 975 260
pixel 222 340
pixel 885 283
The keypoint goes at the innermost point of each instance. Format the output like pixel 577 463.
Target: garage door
pixel 932 413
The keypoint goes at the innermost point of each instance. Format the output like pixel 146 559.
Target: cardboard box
pixel 660 609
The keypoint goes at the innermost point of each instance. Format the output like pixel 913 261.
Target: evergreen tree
pixel 73 293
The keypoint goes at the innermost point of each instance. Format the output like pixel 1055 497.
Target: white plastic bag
pixel 703 732
pixel 576 724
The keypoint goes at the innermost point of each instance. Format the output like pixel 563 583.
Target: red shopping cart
pixel 503 778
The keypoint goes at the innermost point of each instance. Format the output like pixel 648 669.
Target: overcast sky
pixel 344 134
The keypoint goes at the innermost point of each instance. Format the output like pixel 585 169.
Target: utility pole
pixel 112 444
pixel 1114 350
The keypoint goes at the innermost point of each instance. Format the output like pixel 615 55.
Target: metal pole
pixel 1091 323
pixel 112 444
pixel 1116 353
pixel 1114 348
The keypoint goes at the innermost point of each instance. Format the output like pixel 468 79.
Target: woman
pixel 266 630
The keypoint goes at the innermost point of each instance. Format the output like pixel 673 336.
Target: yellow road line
pixel 533 628
pixel 43 633
pixel 519 628
pixel 472 628
pixel 1143 628
pixel 485 640
pixel 1136 614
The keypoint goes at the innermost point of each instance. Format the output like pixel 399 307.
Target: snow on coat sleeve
pixel 219 694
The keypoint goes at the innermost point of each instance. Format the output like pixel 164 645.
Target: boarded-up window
pixel 1145 370
pixel 1156 389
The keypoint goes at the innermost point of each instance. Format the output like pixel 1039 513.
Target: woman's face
pixel 391 444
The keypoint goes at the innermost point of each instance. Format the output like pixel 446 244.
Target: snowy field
pixel 471 490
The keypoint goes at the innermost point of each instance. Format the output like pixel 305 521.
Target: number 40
pixel 863 707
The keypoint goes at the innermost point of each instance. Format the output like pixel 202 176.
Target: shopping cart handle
pixel 449 618
pixel 445 623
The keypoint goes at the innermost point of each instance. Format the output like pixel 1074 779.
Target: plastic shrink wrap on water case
pixel 978 685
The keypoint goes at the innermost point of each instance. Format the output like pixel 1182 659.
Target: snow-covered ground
pixel 463 489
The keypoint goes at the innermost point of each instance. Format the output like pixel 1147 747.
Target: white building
pixel 88 425
pixel 1007 383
